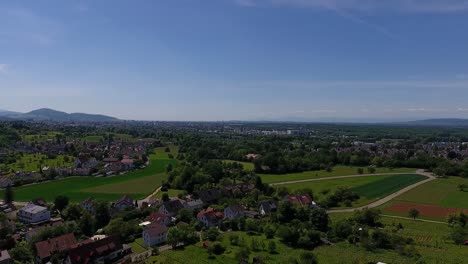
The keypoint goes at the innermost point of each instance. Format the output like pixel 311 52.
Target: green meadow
pixel 336 171
pixel 370 188
pixel 137 184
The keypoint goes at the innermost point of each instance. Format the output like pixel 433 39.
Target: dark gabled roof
pixel 89 250
pixel 125 199
pixel 63 243
pixel 173 206
pixel 209 195
pixel 269 206
pixel 236 208
pixel 299 199
pixel 155 229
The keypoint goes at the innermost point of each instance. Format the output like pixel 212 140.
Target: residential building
pixel 105 250
pixel 5 257
pixel 193 204
pixel 89 205
pixel 300 199
pixel 233 212
pixel 209 217
pixel 33 214
pixel 154 234
pixel 267 207
pixel 209 196
pixel 58 245
pixel 124 203
pixel 5 182
pixel 171 208
pixel 160 218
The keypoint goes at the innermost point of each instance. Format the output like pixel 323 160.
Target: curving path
pixel 340 177
pixel 430 177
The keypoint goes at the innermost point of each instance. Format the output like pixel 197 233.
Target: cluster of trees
pixel 196 175
pixel 459 228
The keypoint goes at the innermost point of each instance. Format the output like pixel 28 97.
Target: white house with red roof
pixel 155 234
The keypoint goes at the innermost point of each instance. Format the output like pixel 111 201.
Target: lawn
pixel 170 192
pixel 33 162
pixel 337 171
pixel 136 184
pixel 246 165
pixel 370 188
pixel 94 139
pixel 138 246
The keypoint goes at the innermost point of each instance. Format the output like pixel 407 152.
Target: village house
pixel 5 257
pixel 267 207
pixel 171 208
pixel 300 200
pixel 105 250
pixel 241 188
pixel 209 217
pixel 89 205
pixel 193 204
pixel 33 214
pixel 124 203
pixel 45 249
pixel 159 218
pixel 54 222
pixel 83 161
pixel 154 234
pixel 253 156
pixel 209 196
pixel 5 182
pixel 127 164
pixel 233 212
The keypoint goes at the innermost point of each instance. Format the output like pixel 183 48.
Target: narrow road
pixel 149 196
pixel 339 177
pixel 384 200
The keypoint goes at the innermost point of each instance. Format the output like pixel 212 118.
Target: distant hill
pixel 441 122
pixel 46 114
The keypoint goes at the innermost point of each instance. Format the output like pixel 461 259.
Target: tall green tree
pixel 9 196
pixel 61 202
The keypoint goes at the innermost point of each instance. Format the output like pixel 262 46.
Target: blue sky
pixel 237 59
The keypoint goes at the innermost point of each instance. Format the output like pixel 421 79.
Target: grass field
pixel 94 139
pixel 441 192
pixel 246 165
pixel 136 184
pixel 337 171
pixel 41 137
pixel 370 188
pixel 33 162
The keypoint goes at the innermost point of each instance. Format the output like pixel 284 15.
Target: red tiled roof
pixel 300 199
pixel 155 229
pixel 59 244
pixel 89 250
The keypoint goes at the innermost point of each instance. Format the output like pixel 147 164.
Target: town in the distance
pixel 78 189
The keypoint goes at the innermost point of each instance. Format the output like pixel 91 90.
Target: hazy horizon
pixel 251 60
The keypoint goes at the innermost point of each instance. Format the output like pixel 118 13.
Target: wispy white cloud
pixel 423 109
pixel 419 6
pixel 21 24
pixel 3 68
